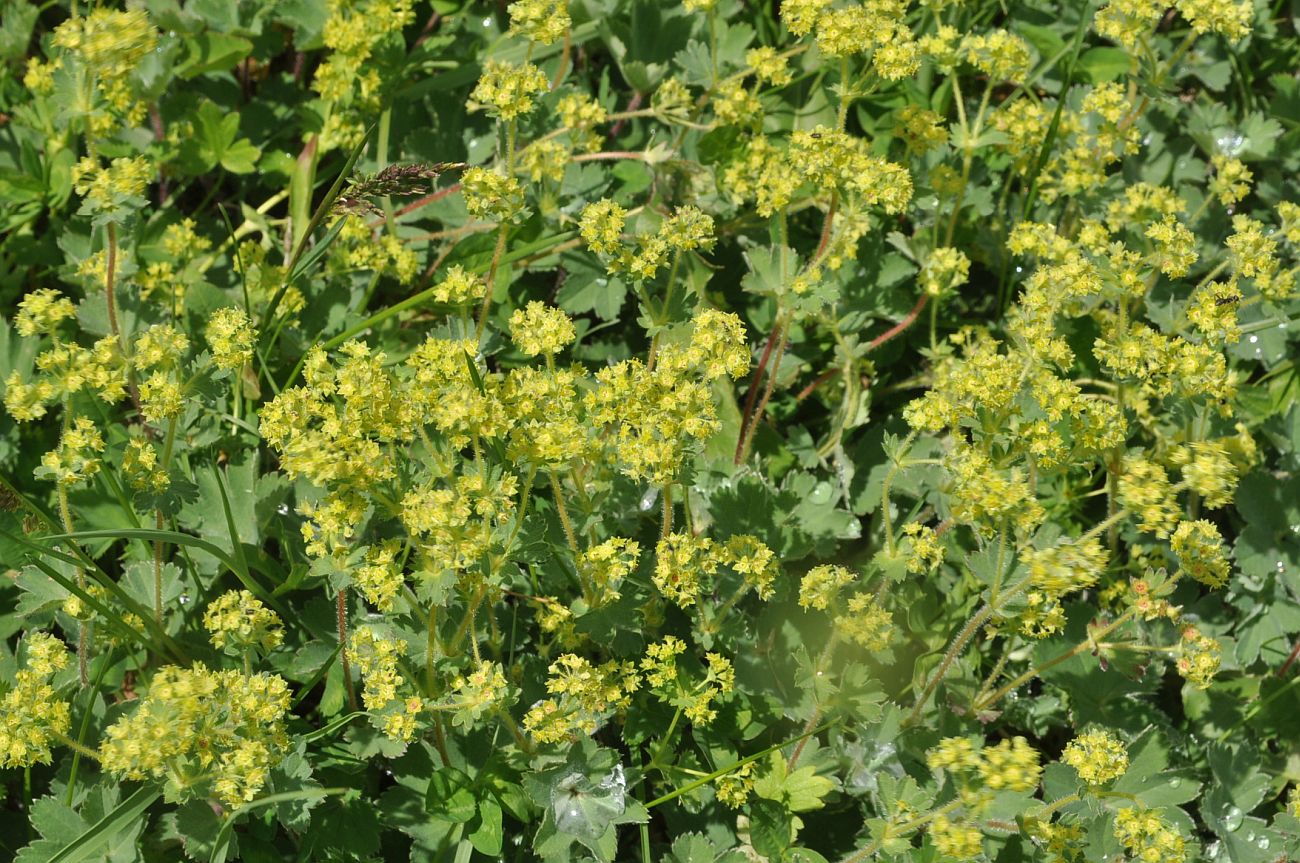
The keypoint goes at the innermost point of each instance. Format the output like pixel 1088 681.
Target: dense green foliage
pixel 695 432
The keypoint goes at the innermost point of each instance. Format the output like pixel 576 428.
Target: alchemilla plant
pixel 694 432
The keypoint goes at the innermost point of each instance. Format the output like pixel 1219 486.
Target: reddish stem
pixel 752 398
pixel 821 379
pixel 420 202
pixel 635 103
pixel 901 325
pixel 1290 660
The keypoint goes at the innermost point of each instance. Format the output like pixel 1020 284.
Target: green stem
pixel 887 520
pixel 664 741
pixel 563 512
pixel 1090 643
pixel 955 650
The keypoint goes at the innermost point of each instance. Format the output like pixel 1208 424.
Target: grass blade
pixel 91 843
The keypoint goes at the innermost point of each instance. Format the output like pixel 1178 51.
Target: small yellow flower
pixel 539 330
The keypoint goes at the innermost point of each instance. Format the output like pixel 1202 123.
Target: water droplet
pixel 1174 783
pixel 1281 567
pixel 648 499
pixel 1232 818
pixel 1020 269
pixel 487 22
pixel 1253 339
pixel 185 599
pixel 1231 144
pixel 1263 843
pixel 282 509
pixel 1250 837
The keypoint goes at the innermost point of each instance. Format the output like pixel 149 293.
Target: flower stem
pixel 563 512
pixel 341 613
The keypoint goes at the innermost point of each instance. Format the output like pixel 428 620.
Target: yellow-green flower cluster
pixel 923 551
pixel 866 623
pixel 110 44
pixel 1098 756
pixel 64 369
pixel 734 104
pixel 832 159
pixel 352 32
pixel 104 186
pixel 586 695
pixel 1227 18
pixel 160 346
pixel 753 560
pixel 231 337
pixel 1174 247
pixel 40 312
pixel 544 21
pixel 821 586
pixel 441 391
pixel 1198 657
pixel 32 716
pixel 198 726
pixel 946 269
pixel 1231 181
pixel 539 330
pixel 458 287
pixel 1067 566
pixel 1011 765
pixel 141 468
pixel 545 411
pixel 959 840
pixel 920 128
pixel 379 576
pixel 77 457
pixel 544 160
pixel 332 429
pixel 458 522
pixel 239 621
pixel 733 789
pixel 604 567
pixel 986 496
pixel 683 564
pixel 376 658
pixel 482 691
pixel 360 248
pixel 1198 546
pixel 1001 55
pixel 1207 470
pixel 696 699
pixel 601 226
pixel 1148 836
pixel 1212 309
pixel 1127 21
pixel 507 90
pixel 491 196
pixel 579 115
pixel 652 414
pixel 1145 489
pixel 161 397
pixel 769 66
